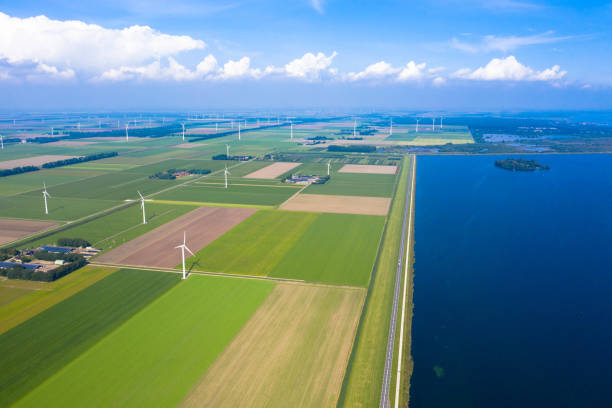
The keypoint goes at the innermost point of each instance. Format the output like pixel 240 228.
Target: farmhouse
pixel 306 179
pixel 56 250
pixel 26 266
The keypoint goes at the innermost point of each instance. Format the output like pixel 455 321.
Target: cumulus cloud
pixel 491 43
pixel 384 70
pixel 75 45
pixel 310 65
pixel 317 5
pixel 502 69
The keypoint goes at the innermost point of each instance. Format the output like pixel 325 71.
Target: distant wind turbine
pixel 183 247
pixel 441 125
pixel 391 127
pixel 51 130
pixel 227 151
pixel 45 195
pixel 226 173
pixel 417 126
pixel 142 205
pixel 238 130
pixel 216 127
pixel 2 142
pixel 328 167
pixel 183 125
pixel 127 137
pixel 433 124
pixel 291 130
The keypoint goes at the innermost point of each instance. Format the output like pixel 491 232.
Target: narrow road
pixel 384 394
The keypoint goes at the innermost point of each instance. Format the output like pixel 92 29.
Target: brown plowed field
pixel 272 171
pixel 32 161
pixel 11 230
pixel 157 247
pixel 337 204
pixel 292 352
pixel 368 169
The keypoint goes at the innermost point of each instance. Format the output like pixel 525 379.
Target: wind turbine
pixel 142 205
pixel 51 130
pixel 216 127
pixel 2 142
pixel 183 247
pixel 355 128
pixel 391 127
pixel 441 125
pixel 183 125
pixel 433 124
pixel 291 130
pixel 226 173
pixel 328 167
pixel 45 195
pixel 238 130
pixel 227 152
pixel 127 137
pixel 417 126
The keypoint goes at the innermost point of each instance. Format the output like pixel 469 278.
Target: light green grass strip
pixel 159 355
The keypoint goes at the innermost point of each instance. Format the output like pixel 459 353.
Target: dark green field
pixel 370 185
pixel 39 347
pixel 235 194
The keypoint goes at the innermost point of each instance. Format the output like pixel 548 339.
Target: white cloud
pixel 439 81
pixel 317 5
pixel 207 66
pixel 75 45
pixel 509 68
pixel 309 66
pixel 491 43
pixel 384 70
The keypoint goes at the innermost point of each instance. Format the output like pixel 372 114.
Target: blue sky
pixel 441 54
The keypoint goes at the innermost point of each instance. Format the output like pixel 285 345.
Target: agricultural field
pixel 236 194
pixel 158 355
pixel 304 336
pixel 12 230
pixel 425 137
pixel 44 344
pixel 22 300
pixel 31 206
pixel 157 247
pixel 327 248
pixel 116 228
pixel 352 184
pixel 338 204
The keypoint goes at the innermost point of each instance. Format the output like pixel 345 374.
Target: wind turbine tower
pixel 127 136
pixel 291 130
pixel 433 124
pixel 183 247
pixel 417 126
pixel 51 130
pixel 226 173
pixel 391 127
pixel 183 125
pixel 238 130
pixel 227 151
pixel 216 127
pixel 142 205
pixel 441 125
pixel 328 167
pixel 2 142
pixel 45 195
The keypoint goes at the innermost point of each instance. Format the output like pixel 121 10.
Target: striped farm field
pixel 303 335
pixel 314 247
pixel 41 346
pixel 235 194
pixel 354 184
pixel 158 355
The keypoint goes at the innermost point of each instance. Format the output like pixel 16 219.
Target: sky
pixel 461 55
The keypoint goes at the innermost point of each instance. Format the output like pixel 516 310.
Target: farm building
pixel 54 249
pixel 27 266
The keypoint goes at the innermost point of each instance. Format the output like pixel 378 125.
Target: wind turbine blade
pixel 140 194
pixel 189 250
pixel 184 238
pixel 178 247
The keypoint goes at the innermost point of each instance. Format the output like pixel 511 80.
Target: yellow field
pixel 293 352
pixel 45 295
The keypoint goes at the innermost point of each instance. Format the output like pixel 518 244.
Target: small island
pixel 520 165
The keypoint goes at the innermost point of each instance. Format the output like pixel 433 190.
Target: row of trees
pixel 58 163
pixel 353 149
pixel 19 272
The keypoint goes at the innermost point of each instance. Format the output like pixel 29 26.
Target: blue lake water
pixel 513 283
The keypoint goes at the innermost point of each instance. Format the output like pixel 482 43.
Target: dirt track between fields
pixel 338 204
pixel 157 247
pixel 272 171
pixel 11 230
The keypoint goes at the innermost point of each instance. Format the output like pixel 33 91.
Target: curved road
pixel 384 394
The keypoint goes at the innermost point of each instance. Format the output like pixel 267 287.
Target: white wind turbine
pixel 328 167
pixel 433 124
pixel 45 195
pixel 417 126
pixel 142 205
pixel 226 173
pixel 127 137
pixel 291 130
pixel 183 247
pixel 51 130
pixel 216 127
pixel 238 130
pixel 2 142
pixel 227 152
pixel 391 127
pixel 441 125
pixel 183 125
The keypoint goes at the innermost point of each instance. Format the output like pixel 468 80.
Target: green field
pixel 235 194
pixel 327 248
pixel 60 208
pixel 38 348
pixel 256 245
pixel 158 355
pixel 337 249
pixel 42 295
pixel 21 183
pixel 450 134
pixel 118 227
pixel 352 184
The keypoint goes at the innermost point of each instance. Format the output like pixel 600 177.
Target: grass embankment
pixel 39 347
pixel 158 355
pixel 407 363
pixel 42 295
pixel 325 248
pixel 363 383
